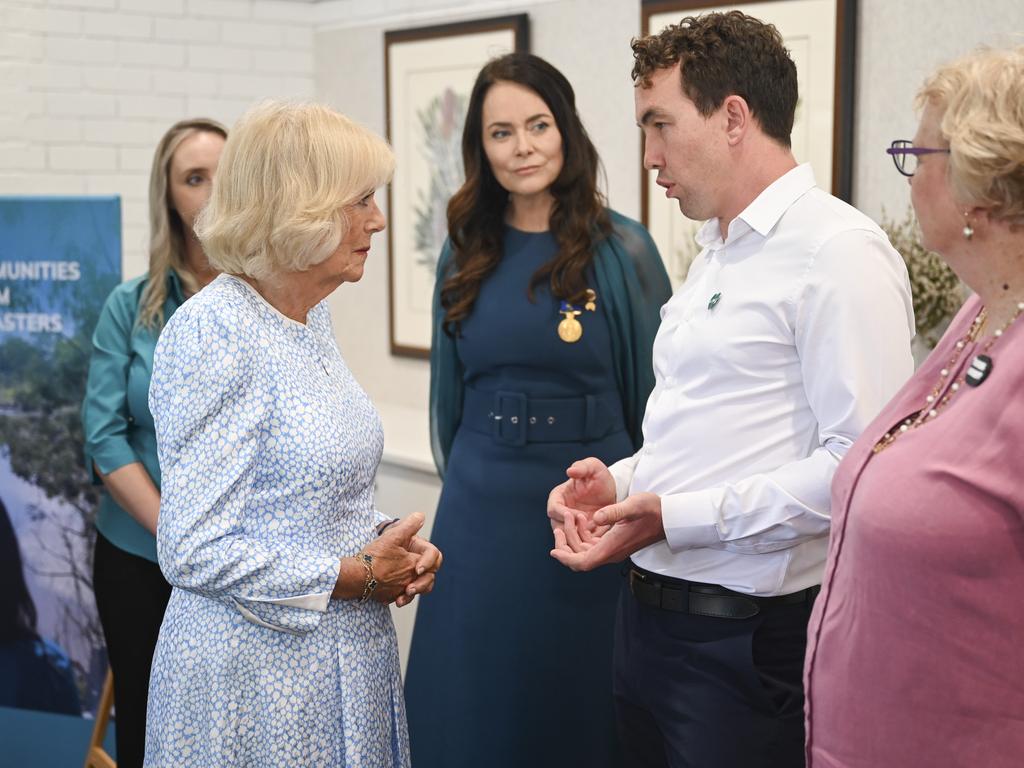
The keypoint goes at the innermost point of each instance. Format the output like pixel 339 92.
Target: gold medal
pixel 570 330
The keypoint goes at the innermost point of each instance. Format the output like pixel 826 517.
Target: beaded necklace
pixel 933 402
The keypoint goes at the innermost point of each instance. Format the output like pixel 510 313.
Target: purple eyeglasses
pixel 905 155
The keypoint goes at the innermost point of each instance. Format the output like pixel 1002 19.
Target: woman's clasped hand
pixel 403 565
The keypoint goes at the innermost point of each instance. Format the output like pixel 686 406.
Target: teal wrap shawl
pixel 633 286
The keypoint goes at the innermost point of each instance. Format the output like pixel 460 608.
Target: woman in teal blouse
pixel 120 442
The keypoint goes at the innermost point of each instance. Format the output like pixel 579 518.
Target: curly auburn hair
pixel 724 54
pixel 476 213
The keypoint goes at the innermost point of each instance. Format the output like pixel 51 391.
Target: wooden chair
pixel 97 757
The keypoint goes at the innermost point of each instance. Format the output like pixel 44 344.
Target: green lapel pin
pixel 714 300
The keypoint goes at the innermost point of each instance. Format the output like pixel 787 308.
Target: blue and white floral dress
pixel 268 448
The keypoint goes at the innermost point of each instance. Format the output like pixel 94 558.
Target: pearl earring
pixel 968 229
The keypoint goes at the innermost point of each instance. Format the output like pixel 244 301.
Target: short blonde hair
pixel 287 171
pixel 982 98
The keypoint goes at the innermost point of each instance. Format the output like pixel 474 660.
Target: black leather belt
pixel 706 599
pixel 515 419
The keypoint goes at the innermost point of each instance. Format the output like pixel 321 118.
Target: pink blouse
pixel 916 644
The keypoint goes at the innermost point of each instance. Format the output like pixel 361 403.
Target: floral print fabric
pixel 268 448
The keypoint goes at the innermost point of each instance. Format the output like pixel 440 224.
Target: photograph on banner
pixel 429 75
pixel 818 40
pixel 59 259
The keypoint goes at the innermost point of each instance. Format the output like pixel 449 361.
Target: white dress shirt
pixel 760 392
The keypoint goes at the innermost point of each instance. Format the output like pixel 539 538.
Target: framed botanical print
pixel 429 73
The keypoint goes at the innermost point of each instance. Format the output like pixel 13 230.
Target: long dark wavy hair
pixel 476 213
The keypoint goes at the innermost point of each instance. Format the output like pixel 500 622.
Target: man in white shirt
pixel 790 333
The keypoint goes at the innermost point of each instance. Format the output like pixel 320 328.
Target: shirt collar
pixel 765 210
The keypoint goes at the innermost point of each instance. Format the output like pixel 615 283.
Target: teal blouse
pixel 115 413
pixel 632 281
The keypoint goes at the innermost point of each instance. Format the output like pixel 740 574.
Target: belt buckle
pixel 515 431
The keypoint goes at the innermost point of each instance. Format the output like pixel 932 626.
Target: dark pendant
pixel 714 301
pixel 981 367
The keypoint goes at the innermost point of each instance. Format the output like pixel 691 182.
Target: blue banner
pixel 59 259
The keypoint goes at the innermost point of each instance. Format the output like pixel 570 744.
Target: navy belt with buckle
pixel 514 418
pixel 706 599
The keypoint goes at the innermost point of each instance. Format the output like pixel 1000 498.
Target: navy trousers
pixel 703 692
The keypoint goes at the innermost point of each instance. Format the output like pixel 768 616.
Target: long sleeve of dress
pixel 445 374
pixel 213 419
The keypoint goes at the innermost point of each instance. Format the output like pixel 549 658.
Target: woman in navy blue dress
pixel 545 312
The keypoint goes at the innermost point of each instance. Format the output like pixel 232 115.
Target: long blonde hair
pixel 166 230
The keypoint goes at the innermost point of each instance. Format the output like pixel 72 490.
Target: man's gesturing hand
pixel 623 529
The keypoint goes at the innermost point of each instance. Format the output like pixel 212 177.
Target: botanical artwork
pixel 59 260
pixel 430 75
pixel 440 143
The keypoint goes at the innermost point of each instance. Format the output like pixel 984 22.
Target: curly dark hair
pixel 476 213
pixel 724 54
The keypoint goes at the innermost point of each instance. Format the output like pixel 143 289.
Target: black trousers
pixel 131 597
pixel 703 692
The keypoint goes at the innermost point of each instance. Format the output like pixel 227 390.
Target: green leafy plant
pixel 937 291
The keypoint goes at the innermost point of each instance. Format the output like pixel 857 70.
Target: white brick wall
pixel 90 86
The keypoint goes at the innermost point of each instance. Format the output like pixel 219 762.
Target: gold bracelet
pixel 371 583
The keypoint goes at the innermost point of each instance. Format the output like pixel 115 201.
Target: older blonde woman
pixel 278 647
pixel 915 643
pixel 120 442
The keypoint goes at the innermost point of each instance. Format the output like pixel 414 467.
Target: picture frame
pixel 821 37
pixel 429 73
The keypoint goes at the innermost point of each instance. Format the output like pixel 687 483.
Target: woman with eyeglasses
pixel 914 653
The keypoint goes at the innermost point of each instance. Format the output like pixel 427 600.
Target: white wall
pixel 899 44
pixel 90 86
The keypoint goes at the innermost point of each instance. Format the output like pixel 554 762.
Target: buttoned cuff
pixel 622 474
pixel 690 519
pixel 295 614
